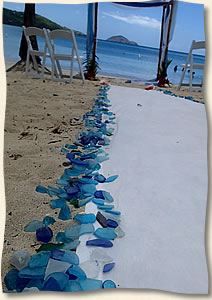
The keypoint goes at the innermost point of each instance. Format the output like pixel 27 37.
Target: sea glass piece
pixel 41 189
pixel 91 268
pixel 48 221
pixel 55 282
pixel 112 223
pixel 31 289
pixel 90 284
pixel 74 202
pixel 71 172
pixel 98 201
pixel 70 245
pixel 111 216
pixel 19 259
pixel 34 273
pixel 56 266
pixel 21 283
pixel 65 213
pixel 37 283
pixel 44 234
pixel 107 196
pixel 68 146
pixel 101 256
pixel 85 201
pixel 101 219
pixel 85 218
pixel 108 284
pixel 111 178
pixel 105 233
pixel 61 182
pixel 105 207
pixel 33 226
pixel 48 247
pixel 87 181
pixel 99 195
pixel 88 188
pixel 77 271
pixel 61 238
pixel 72 190
pixel 79 162
pixel 10 279
pixel 99 243
pixel 66 256
pixel 75 231
pixel 100 178
pixel 113 212
pixel 72 286
pixel 57 203
pixel 120 233
pixel 108 267
pixel 40 259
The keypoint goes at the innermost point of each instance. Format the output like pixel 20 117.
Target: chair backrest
pixel 198 45
pixel 32 31
pixel 62 34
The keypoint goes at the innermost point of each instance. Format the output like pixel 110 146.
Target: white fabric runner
pixel 159 151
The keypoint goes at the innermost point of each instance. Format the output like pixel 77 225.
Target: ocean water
pixel 115 59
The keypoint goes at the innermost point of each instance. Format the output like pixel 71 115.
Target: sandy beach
pixel 41 117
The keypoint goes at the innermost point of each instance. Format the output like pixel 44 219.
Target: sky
pixel 139 25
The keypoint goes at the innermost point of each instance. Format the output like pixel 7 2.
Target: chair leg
pixel 27 65
pixel 191 71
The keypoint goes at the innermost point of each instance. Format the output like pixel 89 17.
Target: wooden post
pixel 95 32
pixel 169 29
pixel 161 40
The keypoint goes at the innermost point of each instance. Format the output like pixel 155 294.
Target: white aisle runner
pixel 159 151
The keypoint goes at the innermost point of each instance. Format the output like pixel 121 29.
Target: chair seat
pixel 195 66
pixel 66 57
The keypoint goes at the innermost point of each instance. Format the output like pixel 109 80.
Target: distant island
pixel 121 39
pixel 16 18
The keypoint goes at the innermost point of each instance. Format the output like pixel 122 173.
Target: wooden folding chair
pixel 68 35
pixel 194 46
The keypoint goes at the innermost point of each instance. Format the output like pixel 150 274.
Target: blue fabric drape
pixel 90 29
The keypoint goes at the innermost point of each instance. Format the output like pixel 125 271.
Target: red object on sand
pixel 149 88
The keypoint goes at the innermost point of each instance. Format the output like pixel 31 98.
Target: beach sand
pixel 41 117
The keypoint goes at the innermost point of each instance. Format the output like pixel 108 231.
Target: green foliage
pixel 16 18
pixel 91 65
pixel 163 69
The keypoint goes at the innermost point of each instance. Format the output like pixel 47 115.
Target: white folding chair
pixel 68 35
pixel 194 46
pixel 33 31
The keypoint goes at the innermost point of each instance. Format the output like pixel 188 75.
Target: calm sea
pixel 115 59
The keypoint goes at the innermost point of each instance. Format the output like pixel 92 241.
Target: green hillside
pixel 16 18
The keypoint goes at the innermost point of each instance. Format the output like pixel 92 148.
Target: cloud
pixel 137 20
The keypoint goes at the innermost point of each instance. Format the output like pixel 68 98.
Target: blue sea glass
pixel 61 182
pixel 44 234
pixel 41 189
pixel 98 201
pixel 21 283
pixel 33 226
pixel 55 282
pixel 77 271
pixel 88 188
pixel 113 212
pixel 99 195
pixel 72 286
pixel 70 245
pixel 66 256
pixel 99 243
pixel 60 238
pixel 57 203
pixel 100 178
pixel 32 273
pixel 79 162
pixel 108 284
pixel 107 196
pixel 10 279
pixel 105 207
pixel 68 146
pixel 112 223
pixel 48 221
pixel 87 181
pixel 71 172
pixel 65 213
pixel 85 218
pixel 75 231
pixel 111 178
pixel 40 259
pixel 85 201
pixel 90 284
pixel 108 267
pixel 105 233
pixel 72 190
